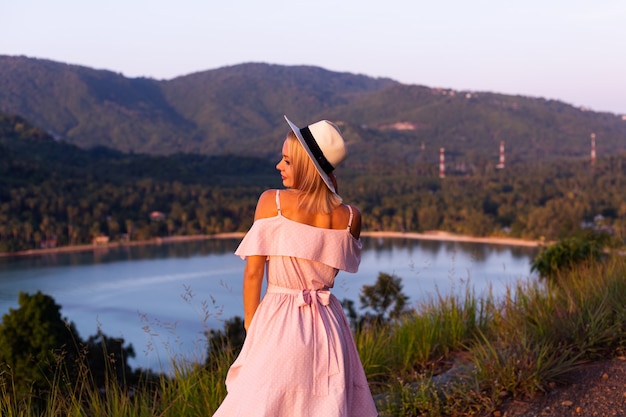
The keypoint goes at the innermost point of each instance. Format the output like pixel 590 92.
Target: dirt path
pixel 598 389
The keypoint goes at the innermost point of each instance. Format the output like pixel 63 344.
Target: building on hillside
pixel 157 216
pixel 100 240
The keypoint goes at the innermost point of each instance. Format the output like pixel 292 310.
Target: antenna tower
pixel 442 166
pixel 593 149
pixel 501 164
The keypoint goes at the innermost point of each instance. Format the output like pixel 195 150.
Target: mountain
pixel 89 107
pixel 239 110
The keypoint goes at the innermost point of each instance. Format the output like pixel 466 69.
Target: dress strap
pixel 278 202
pixel 351 216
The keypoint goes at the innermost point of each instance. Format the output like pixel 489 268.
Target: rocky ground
pixel 597 389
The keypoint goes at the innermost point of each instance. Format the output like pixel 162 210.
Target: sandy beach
pixel 432 235
pixel 446 236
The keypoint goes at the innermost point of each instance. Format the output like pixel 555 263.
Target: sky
pixel 568 50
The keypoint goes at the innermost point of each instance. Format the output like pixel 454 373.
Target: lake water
pixel 163 298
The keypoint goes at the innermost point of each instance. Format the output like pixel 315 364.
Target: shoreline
pixel 451 237
pixel 430 235
pixel 104 246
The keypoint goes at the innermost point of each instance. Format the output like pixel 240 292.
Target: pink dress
pixel 299 357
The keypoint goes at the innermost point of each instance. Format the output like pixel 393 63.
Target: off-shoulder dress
pixel 299 358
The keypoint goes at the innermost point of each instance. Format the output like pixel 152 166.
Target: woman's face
pixel 285 168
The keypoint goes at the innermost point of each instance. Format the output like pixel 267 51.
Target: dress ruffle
pixel 266 237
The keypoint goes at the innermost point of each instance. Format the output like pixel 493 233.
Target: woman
pixel 299 358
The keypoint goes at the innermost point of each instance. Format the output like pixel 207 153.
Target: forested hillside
pixel 239 110
pixel 93 153
pixel 56 194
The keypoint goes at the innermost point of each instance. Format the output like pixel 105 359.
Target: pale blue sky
pixel 569 50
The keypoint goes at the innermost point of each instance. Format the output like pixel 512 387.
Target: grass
pixel 452 355
pixel 463 356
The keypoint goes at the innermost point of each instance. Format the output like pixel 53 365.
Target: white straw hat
pixel 324 144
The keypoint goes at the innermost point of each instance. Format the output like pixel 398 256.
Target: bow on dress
pixel 325 360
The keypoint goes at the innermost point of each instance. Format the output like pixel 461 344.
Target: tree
pixel 34 341
pixel 228 341
pixel 429 218
pixel 351 314
pixel 565 255
pixel 107 357
pixel 385 294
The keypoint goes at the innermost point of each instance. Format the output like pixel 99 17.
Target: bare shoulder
pixel 356 213
pixel 266 206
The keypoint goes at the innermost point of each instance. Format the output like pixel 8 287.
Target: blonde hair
pixel 315 196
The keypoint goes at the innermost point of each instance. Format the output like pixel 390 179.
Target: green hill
pixel 93 153
pixel 239 109
pixel 28 154
pixel 53 193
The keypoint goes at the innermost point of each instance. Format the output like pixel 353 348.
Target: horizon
pixel 561 50
pixel 327 69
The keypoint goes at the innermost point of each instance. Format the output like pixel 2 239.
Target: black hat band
pixel 316 151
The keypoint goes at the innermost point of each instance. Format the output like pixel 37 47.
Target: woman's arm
pixel 255 265
pixel 252 283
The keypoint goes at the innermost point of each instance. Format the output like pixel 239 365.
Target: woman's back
pixel 342 216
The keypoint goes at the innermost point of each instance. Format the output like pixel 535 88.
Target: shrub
pixel 565 255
